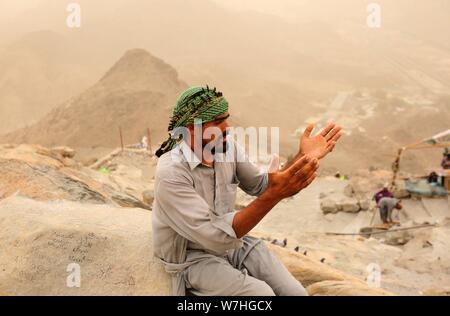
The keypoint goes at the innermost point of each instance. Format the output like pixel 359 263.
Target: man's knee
pixel 259 288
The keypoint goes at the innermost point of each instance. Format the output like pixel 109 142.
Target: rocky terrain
pixel 56 211
pixel 302 57
pixel 69 193
pixel 411 262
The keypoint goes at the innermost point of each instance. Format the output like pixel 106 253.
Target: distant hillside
pixel 136 93
pixel 37 72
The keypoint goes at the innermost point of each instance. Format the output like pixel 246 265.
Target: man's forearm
pixel 247 218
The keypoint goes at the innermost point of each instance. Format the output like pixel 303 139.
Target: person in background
pixel 382 194
pixel 386 206
pixel 433 178
pixel 445 164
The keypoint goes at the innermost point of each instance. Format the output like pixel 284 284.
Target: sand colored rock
pixel 320 279
pixel 148 197
pixel 329 206
pixel 112 246
pixel 364 204
pixel 344 288
pixel 340 204
pixel 437 292
pixel 64 151
pixel 40 173
pixel 48 182
pixel 59 189
pixel 349 205
pixel 34 154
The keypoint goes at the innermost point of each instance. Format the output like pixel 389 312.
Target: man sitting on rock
pixel 197 234
pixel 386 206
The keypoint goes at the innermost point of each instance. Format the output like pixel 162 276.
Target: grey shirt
pixel 193 207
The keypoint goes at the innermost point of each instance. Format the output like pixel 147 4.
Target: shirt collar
pixel 191 158
pixel 189 155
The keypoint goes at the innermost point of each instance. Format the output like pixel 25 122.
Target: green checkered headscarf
pixel 194 103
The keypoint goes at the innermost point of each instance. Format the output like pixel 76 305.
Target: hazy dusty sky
pixel 9 9
pixel 252 49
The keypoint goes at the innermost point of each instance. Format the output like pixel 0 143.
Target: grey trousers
pixel 248 271
pixel 386 214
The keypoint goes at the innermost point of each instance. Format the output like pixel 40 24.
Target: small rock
pixel 69 162
pixel 348 190
pixel 64 151
pixel 329 206
pixel 349 205
pixel 89 162
pixel 280 243
pixel 148 196
pixel 398 238
pixel 437 292
pixel 364 204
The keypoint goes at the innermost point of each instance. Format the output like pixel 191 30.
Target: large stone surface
pixel 148 196
pixel 344 288
pixel 398 238
pixel 334 204
pixel 327 206
pixel 349 205
pixel 50 174
pixel 112 246
pixel 48 182
pixel 437 291
pixel 320 279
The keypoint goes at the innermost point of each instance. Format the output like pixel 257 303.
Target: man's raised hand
pixel 320 145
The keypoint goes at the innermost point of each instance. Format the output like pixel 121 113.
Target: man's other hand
pixel 322 144
pixel 298 176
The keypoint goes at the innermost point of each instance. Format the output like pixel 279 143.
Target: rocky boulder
pixel 334 204
pixel 344 288
pixel 50 174
pixel 50 246
pixel 349 205
pixel 328 205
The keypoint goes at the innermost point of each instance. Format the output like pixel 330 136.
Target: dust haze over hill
pixel 134 94
pixel 280 63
